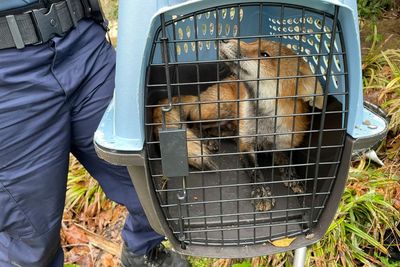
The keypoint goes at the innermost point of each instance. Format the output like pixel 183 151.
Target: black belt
pixel 38 26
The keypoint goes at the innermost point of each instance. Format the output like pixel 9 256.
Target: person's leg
pixel 88 78
pixel 141 242
pixel 85 69
pixel 115 180
pixel 34 153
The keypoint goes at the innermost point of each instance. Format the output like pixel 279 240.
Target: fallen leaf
pixel 373 96
pixel 107 260
pixel 75 235
pixel 119 213
pixel 396 203
pixel 79 255
pixel 387 72
pixel 282 243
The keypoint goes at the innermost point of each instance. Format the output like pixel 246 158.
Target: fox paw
pixel 289 174
pixel 259 201
pixel 212 145
pixel 296 187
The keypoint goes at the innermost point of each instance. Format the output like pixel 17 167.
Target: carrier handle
pixel 165 54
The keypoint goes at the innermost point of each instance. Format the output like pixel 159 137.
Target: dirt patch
pixel 388 27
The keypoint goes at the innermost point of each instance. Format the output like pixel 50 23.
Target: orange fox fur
pixel 272 93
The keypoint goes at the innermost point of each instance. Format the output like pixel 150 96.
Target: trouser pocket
pixel 12 220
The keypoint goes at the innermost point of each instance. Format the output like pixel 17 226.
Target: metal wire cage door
pixel 246 109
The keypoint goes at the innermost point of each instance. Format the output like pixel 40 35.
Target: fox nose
pixel 225 41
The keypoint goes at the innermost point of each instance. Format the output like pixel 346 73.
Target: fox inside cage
pixel 238 126
pixel 245 111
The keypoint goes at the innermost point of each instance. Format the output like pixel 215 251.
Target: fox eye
pixel 264 54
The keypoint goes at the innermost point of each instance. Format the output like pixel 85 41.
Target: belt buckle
pixel 47 24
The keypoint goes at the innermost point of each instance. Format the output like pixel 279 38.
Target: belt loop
pixel 72 13
pixel 87 9
pixel 15 32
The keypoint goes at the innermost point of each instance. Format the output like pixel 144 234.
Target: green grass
pixel 84 194
pixel 373 9
pixel 381 80
pixel 364 217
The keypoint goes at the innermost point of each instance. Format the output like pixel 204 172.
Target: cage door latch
pixel 174 155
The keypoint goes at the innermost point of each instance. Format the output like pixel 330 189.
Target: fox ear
pixel 309 86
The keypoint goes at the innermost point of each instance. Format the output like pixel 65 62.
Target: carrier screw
pixel 367 122
pixel 310 236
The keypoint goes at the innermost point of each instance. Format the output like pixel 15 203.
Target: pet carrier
pixel 237 119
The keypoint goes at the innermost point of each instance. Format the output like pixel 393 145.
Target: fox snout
pixel 229 49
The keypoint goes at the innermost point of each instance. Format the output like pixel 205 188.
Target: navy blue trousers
pixel 52 97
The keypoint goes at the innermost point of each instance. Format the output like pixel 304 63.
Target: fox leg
pixel 198 152
pixel 287 172
pixel 261 194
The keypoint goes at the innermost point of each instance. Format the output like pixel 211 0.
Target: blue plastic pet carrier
pixel 237 119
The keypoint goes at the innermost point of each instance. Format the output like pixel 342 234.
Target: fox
pixel 255 70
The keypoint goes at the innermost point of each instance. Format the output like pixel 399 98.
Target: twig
pixel 100 242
